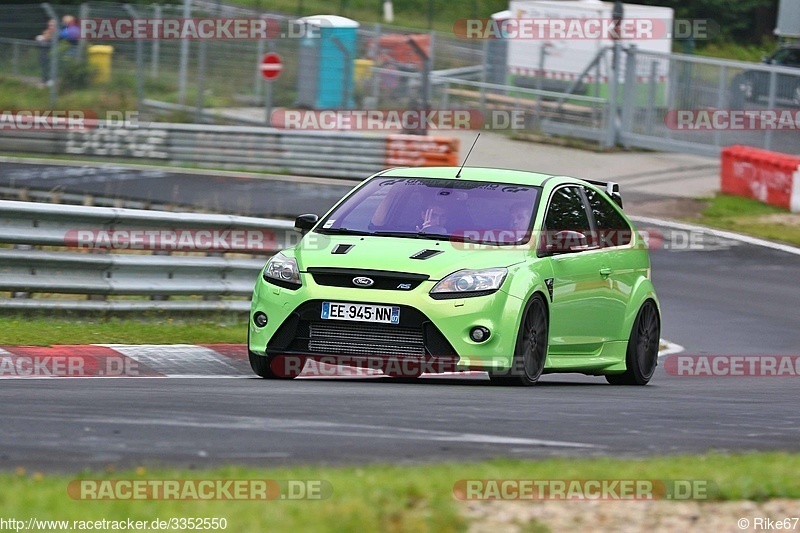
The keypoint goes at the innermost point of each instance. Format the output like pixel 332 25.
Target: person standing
pixel 43 40
pixel 71 33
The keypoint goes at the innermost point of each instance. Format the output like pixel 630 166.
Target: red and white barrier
pixel 421 151
pixel 770 177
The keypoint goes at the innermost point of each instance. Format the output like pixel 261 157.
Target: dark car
pixel 754 85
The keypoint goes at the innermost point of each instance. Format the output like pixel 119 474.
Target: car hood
pixel 395 254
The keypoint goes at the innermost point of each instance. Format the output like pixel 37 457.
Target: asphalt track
pixel 227 192
pixel 718 296
pixel 267 195
pixel 722 297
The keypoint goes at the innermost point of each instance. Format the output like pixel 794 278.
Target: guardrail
pixel 96 266
pixel 312 153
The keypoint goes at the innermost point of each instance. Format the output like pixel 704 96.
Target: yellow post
pixel 100 59
pixel 363 67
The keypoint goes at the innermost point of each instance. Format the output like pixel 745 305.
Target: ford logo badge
pixel 362 281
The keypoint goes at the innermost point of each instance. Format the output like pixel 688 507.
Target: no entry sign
pixel 271 66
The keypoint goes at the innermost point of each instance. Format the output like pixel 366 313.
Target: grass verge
pixel 159 328
pixel 751 217
pixel 388 498
pixel 738 51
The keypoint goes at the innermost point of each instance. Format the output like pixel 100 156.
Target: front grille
pixel 365 339
pixel 303 332
pixel 382 279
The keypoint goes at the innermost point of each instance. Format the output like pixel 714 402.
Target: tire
pixel 273 367
pixel 530 353
pixel 641 357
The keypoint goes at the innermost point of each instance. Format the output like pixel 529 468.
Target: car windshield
pixel 429 208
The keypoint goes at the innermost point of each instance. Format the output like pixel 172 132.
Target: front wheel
pixel 531 349
pixel 275 367
pixel 642 355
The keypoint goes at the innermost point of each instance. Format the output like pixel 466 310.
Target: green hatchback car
pixel 439 269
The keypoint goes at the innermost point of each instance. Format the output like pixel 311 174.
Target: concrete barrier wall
pixel 770 177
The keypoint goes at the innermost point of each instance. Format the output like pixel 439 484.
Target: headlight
pixel 282 269
pixel 465 282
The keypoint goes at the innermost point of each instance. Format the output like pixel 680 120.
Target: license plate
pixel 386 314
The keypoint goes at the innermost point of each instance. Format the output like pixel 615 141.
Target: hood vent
pixel 342 248
pixel 425 254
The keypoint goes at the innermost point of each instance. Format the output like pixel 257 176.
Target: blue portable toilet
pixel 325 78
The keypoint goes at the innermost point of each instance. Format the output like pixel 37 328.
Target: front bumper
pixel 431 331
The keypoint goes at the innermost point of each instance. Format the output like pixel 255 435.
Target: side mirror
pixel 566 242
pixel 305 223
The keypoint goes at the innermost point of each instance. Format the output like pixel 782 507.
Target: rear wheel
pixel 531 350
pixel 642 354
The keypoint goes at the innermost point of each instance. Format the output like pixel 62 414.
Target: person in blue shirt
pixel 71 33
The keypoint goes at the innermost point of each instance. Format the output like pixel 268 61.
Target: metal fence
pixel 350 155
pixel 207 73
pixel 48 259
pixel 666 84
pixel 185 78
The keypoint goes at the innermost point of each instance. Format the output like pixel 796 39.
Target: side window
pixel 794 58
pixel 566 212
pixel 612 228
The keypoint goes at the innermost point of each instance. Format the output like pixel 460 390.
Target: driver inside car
pixel 434 219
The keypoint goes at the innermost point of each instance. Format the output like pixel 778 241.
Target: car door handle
pixel 605 272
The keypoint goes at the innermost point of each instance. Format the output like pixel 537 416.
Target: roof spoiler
pixel 611 188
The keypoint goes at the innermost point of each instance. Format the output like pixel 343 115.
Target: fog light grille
pixel 365 339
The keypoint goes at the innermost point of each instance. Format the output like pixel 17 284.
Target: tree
pixel 746 21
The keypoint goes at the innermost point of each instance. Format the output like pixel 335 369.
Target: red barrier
pixel 770 177
pixel 421 151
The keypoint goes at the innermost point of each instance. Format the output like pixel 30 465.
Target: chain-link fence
pixel 703 104
pixel 220 73
pixel 22 58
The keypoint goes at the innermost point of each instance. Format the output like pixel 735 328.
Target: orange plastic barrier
pixel 421 151
pixel 770 177
pixel 394 48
